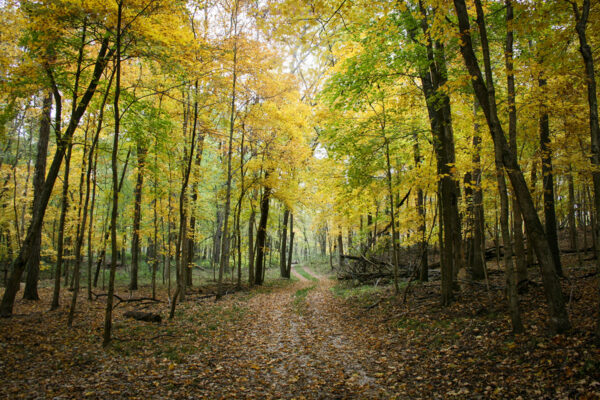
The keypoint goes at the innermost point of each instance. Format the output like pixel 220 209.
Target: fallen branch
pixel 373 305
pixel 143 316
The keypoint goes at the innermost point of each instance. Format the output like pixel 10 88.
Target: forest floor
pixel 311 337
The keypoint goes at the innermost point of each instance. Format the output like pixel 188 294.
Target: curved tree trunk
pixel 559 317
pixel 39 175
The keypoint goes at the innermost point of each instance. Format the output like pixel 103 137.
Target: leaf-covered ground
pixel 310 338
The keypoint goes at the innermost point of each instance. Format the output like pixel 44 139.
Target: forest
pixel 299 199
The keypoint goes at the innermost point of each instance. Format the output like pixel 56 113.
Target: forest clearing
pixel 299 199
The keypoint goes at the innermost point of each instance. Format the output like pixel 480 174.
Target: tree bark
pixel 61 231
pixel 251 247
pixel 518 238
pixel 588 60
pixel 19 264
pixel 39 175
pixel 106 337
pixel 553 290
pixel 137 216
pixel 261 235
pixel 548 184
pixel 283 252
pixel 423 262
pixel 291 246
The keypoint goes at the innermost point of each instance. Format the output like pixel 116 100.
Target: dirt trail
pixel 297 275
pixel 296 346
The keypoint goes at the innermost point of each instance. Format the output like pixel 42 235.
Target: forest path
pixel 295 344
pixel 297 275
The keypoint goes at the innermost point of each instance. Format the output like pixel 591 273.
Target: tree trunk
pixel 33 263
pixel 225 245
pixel 553 290
pixel 83 214
pixel 477 242
pixel 19 264
pixel 106 337
pixel 291 249
pixel 137 216
pixel 439 112
pixel 181 259
pixel 548 184
pixel 423 262
pixel 61 231
pixel 340 246
pixel 283 251
pixel 261 234
pixel 392 215
pixel 90 230
pixel 518 237
pixel 588 60
pixel 251 247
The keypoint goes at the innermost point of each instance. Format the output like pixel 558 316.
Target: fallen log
pixel 143 316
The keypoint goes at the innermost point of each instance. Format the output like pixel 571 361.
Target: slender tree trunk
pixel 553 290
pixel 61 231
pixel 106 338
pixel 225 245
pixel 571 214
pixel 392 216
pixel 519 240
pixel 588 60
pixel 137 216
pixel 261 235
pixel 181 259
pixel 478 231
pixel 19 264
pixel 90 229
pixel 340 246
pixel 283 251
pixel 423 262
pixel 291 247
pixel 39 175
pixel 83 213
pixel 548 184
pixel 251 247
pixel 513 298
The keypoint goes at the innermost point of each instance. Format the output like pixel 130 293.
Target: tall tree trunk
pixel 513 299
pixel 340 246
pixel 392 215
pixel 191 239
pixel 548 184
pixel 83 214
pixel 106 337
pixel 283 250
pixel 137 216
pixel 261 234
pixel 61 231
pixel 588 60
pixel 519 240
pixel 571 214
pixel 438 107
pixel 423 259
pixel 288 272
pixel 90 229
pixel 39 175
pixel 225 245
pixel 478 232
pixel 20 262
pixel 553 290
pixel 181 259
pixel 251 247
